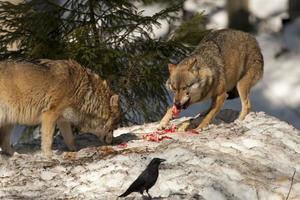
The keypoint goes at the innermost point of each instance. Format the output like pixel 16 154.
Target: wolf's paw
pixel 162 125
pixel 47 155
pixel 184 126
pixel 107 138
pixel 9 151
pixel 44 160
pixel 72 147
pixel 202 126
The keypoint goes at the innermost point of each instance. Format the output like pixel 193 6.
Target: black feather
pixel 146 179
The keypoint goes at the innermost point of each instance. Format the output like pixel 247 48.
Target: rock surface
pixel 252 159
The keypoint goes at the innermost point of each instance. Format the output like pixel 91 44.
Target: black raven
pixel 146 180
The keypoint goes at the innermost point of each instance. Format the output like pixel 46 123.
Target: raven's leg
pixel 142 192
pixel 148 194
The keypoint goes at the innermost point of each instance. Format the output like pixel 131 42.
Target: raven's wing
pixel 138 185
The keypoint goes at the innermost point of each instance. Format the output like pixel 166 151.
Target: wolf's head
pixel 103 125
pixel 188 83
pixel 101 109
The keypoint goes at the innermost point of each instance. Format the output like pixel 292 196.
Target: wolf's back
pixel 228 40
pixel 237 52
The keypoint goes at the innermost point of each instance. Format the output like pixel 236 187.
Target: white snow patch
pixel 218 20
pixel 47 175
pixel 232 173
pixel 264 8
pixel 211 193
pixel 292 145
pixel 234 146
pixel 250 143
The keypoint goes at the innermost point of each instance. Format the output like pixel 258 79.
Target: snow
pixel 250 143
pixel 219 19
pixel 265 8
pixel 47 175
pixel 203 5
pixel 211 193
pixel 236 160
pixel 150 10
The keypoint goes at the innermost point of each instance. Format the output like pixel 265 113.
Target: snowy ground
pixel 249 160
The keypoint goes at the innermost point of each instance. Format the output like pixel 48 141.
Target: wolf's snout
pixel 183 103
pixel 177 104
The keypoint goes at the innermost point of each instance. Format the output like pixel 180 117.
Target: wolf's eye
pixel 172 87
pixel 194 85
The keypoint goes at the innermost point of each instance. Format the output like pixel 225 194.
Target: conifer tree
pixel 112 37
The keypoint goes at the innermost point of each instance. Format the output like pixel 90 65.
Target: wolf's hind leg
pixel 252 76
pixel 66 131
pixel 216 105
pixel 5 132
pixel 244 86
pixel 244 92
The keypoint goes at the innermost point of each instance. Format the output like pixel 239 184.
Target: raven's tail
pixel 125 193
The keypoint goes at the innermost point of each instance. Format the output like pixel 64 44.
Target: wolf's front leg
pixel 217 103
pixel 66 131
pixel 166 119
pixel 48 126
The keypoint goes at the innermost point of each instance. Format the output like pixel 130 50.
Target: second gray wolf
pixel 225 62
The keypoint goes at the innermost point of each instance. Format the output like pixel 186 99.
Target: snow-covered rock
pixel 252 159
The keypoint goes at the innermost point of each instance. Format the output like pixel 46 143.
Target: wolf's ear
pixel 114 100
pixel 104 83
pixel 171 67
pixel 168 85
pixel 88 70
pixel 96 76
pixel 191 64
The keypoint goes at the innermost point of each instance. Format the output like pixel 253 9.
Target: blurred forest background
pixel 129 43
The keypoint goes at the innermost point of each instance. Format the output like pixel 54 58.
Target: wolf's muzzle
pixel 179 105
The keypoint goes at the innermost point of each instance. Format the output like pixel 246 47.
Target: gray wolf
pixel 226 62
pixel 55 93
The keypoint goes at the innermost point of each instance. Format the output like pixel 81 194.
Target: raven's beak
pixel 162 160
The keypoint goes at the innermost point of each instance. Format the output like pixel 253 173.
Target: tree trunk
pixel 238 15
pixel 294 9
